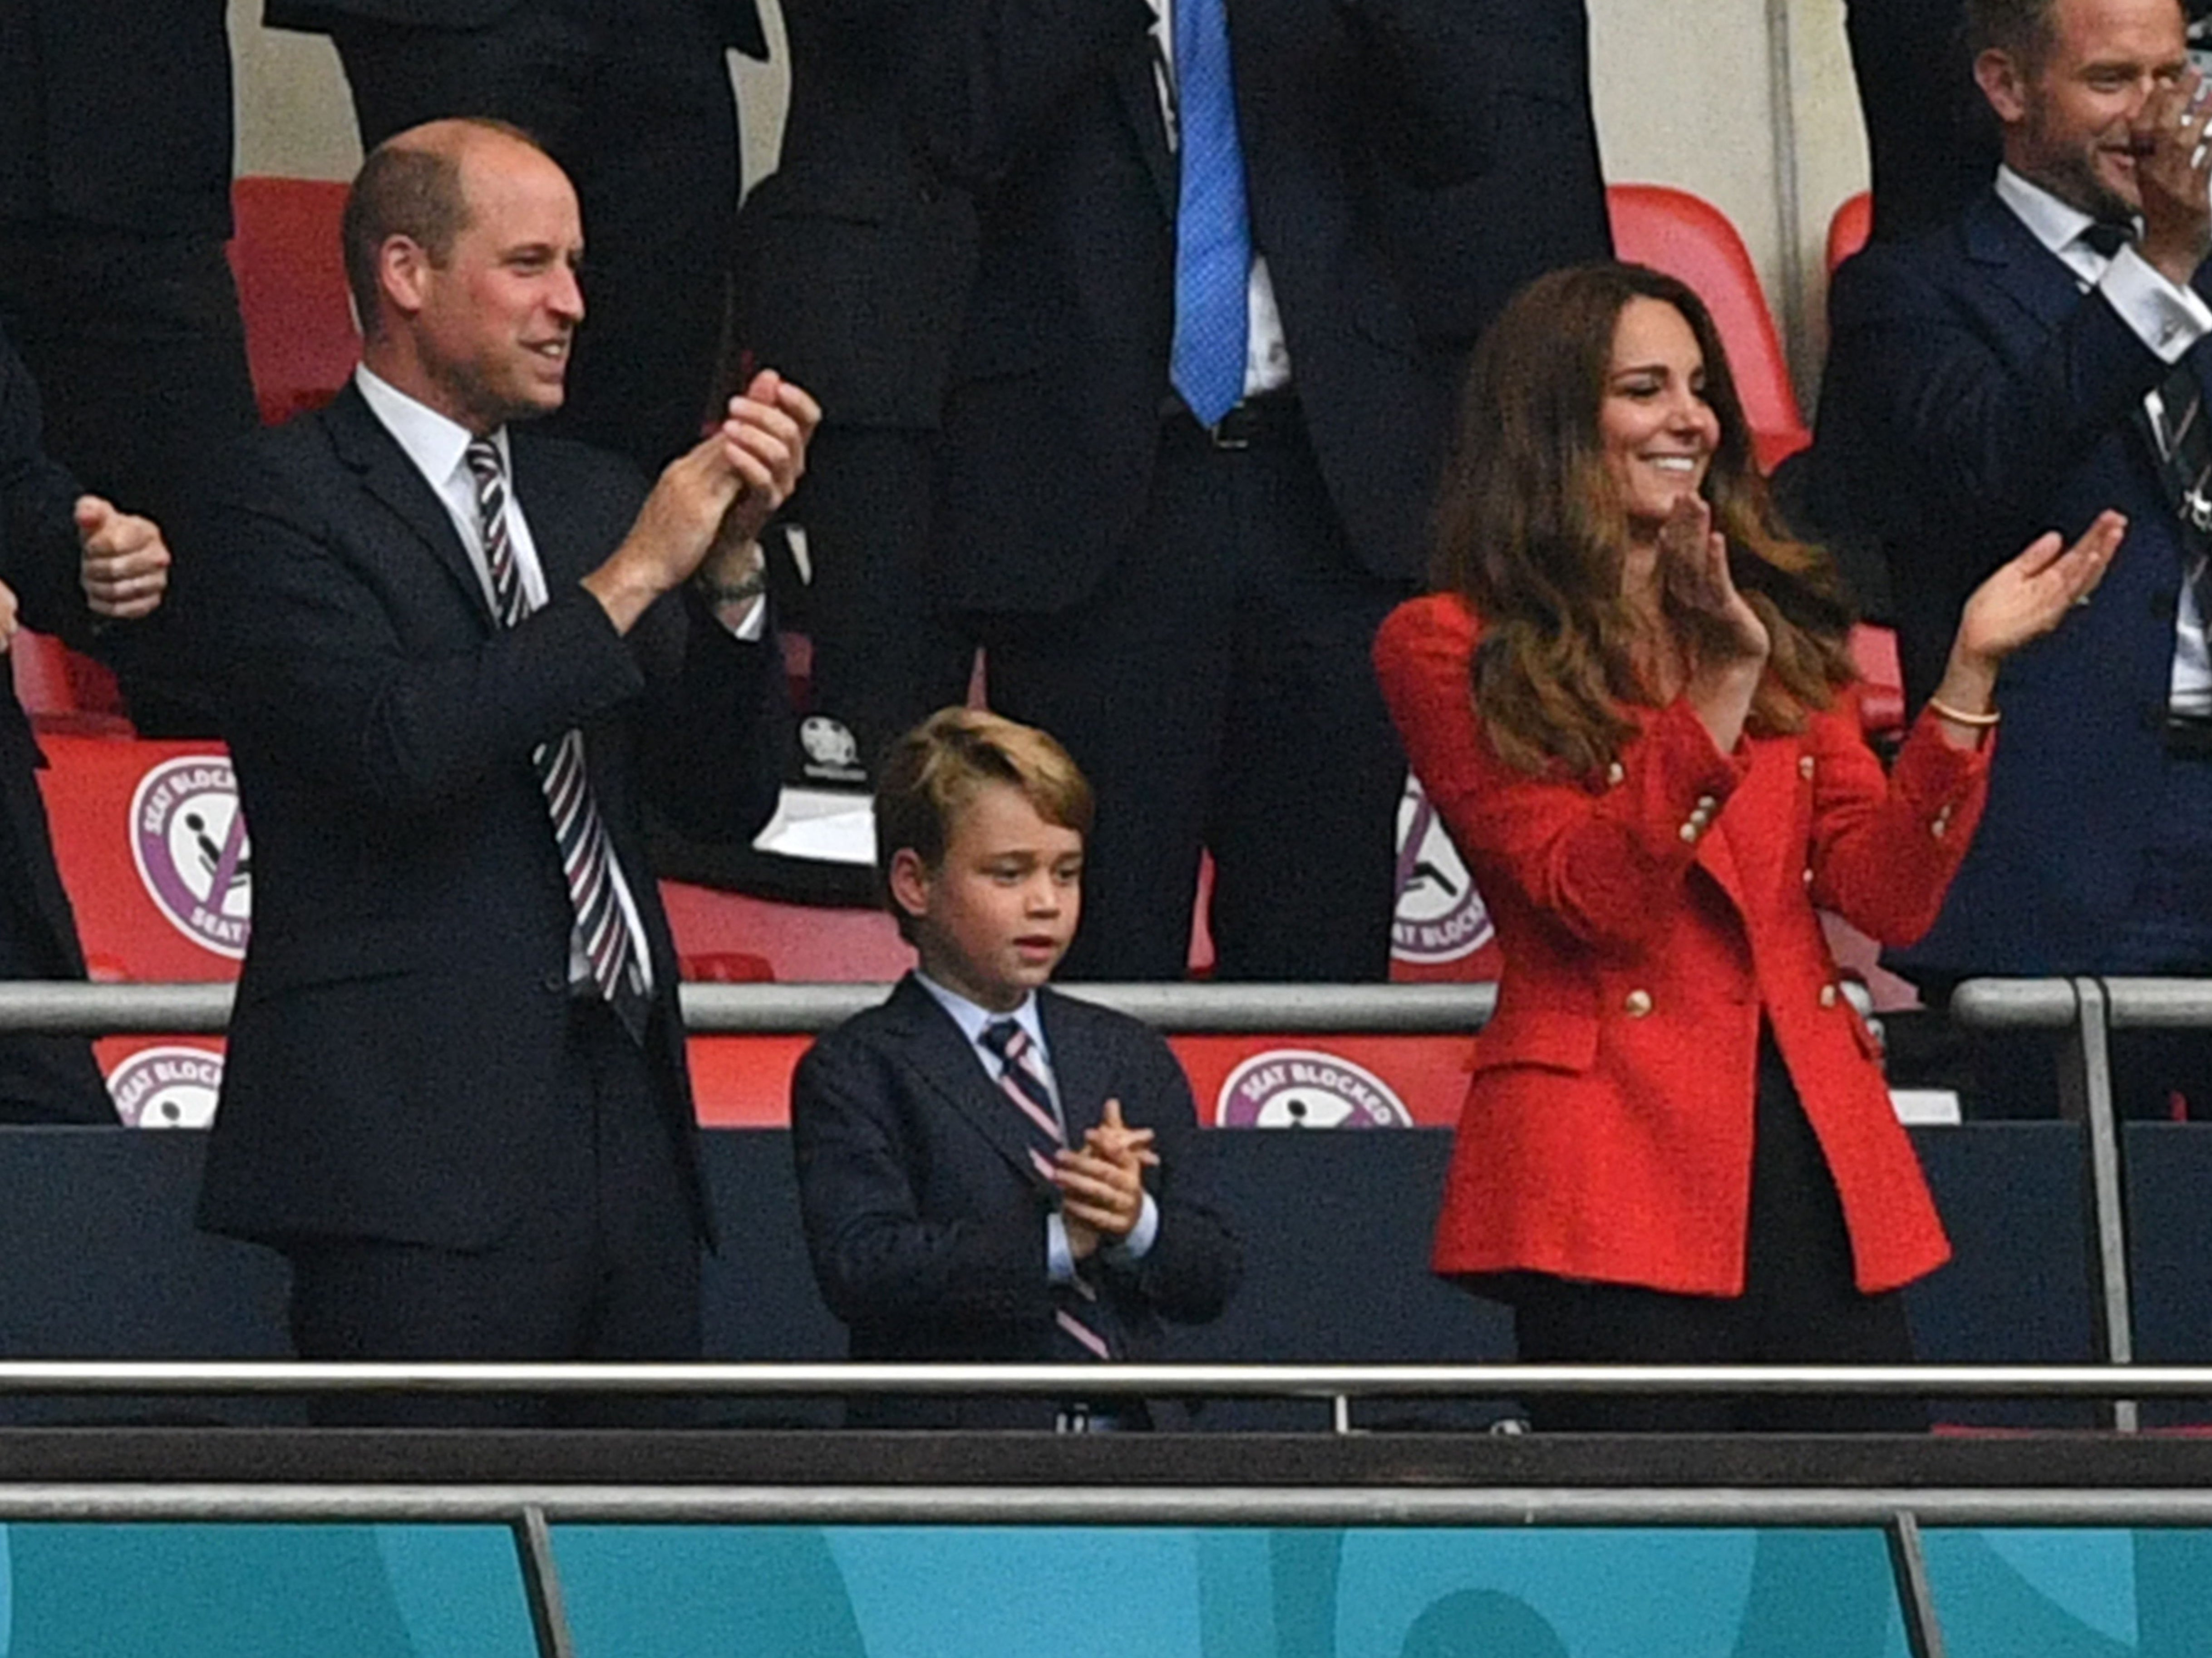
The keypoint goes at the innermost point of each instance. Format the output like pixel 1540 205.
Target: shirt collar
pixel 2058 225
pixel 436 443
pixel 972 1017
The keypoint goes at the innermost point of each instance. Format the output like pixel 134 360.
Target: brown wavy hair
pixel 1531 532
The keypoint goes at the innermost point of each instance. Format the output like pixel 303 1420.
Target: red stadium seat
pixel 62 691
pixel 1882 681
pixel 300 342
pixel 1690 238
pixel 1848 229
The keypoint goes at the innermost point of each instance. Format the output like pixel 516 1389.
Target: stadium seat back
pixel 1691 239
pixel 300 342
pixel 62 691
pixel 1849 230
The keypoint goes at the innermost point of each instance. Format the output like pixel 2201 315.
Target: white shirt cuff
pixel 748 627
pixel 1142 1235
pixel 1059 1259
pixel 2166 319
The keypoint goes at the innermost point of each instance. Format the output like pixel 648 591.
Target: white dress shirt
pixel 2166 319
pixel 438 448
pixel 974 1020
pixel 1267 352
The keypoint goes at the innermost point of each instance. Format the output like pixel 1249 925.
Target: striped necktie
pixel 1084 1320
pixel 1213 227
pixel 587 858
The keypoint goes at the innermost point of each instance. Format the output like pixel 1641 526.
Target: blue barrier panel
pixel 2001 1593
pixel 263 1591
pixel 922 1592
pixel 337 1591
pixel 104 1262
pixel 2168 1170
pixel 2018 1289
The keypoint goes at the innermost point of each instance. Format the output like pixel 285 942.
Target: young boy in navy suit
pixel 988 1169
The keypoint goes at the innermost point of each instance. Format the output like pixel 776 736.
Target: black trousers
pixel 43 1079
pixel 604 1266
pixel 885 654
pixel 1217 689
pixel 1799 1306
pixel 634 101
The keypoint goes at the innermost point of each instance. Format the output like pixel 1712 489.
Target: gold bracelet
pixel 1960 716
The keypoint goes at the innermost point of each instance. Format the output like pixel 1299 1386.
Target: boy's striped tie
pixel 1082 1318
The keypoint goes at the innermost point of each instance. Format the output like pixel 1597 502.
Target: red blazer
pixel 1647 918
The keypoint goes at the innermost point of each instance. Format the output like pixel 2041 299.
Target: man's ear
pixel 403 273
pixel 2003 83
pixel 909 881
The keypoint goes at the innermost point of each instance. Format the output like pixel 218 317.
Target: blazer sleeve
pixel 40 558
pixel 304 650
pixel 712 723
pixel 1197 1259
pixel 1607 860
pixel 1885 847
pixel 1918 379
pixel 880 1262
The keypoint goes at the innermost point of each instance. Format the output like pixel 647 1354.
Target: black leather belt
pixel 2188 736
pixel 1270 418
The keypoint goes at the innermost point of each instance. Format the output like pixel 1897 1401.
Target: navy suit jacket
pixel 1051 113
pixel 1975 398
pixel 736 23
pixel 404 1000
pixel 925 1218
pixel 42 1078
pixel 854 257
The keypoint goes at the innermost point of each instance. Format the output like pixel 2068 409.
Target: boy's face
pixel 994 920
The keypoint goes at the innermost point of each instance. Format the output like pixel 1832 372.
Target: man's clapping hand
pixel 719 494
pixel 125 565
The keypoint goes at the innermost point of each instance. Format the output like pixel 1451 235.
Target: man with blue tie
pixel 1187 447
pixel 2035 362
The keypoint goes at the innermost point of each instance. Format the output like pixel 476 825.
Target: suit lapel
pixel 1137 83
pixel 948 1066
pixel 2043 286
pixel 1078 1072
pixel 359 440
pixel 2029 274
pixel 541 490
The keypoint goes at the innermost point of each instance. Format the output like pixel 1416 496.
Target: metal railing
pixel 2087 1009
pixel 715 1010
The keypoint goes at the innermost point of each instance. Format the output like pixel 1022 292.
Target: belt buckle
pixel 1231 434
pixel 1073 1419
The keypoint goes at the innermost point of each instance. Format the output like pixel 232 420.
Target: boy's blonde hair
pixel 931 775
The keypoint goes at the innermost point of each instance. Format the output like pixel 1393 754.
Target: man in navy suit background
pixel 450 656
pixel 73 566
pixel 1190 435
pixel 2036 361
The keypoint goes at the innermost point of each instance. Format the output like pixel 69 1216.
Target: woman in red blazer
pixel 1633 706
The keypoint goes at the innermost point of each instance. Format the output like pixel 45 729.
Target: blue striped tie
pixel 1213 229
